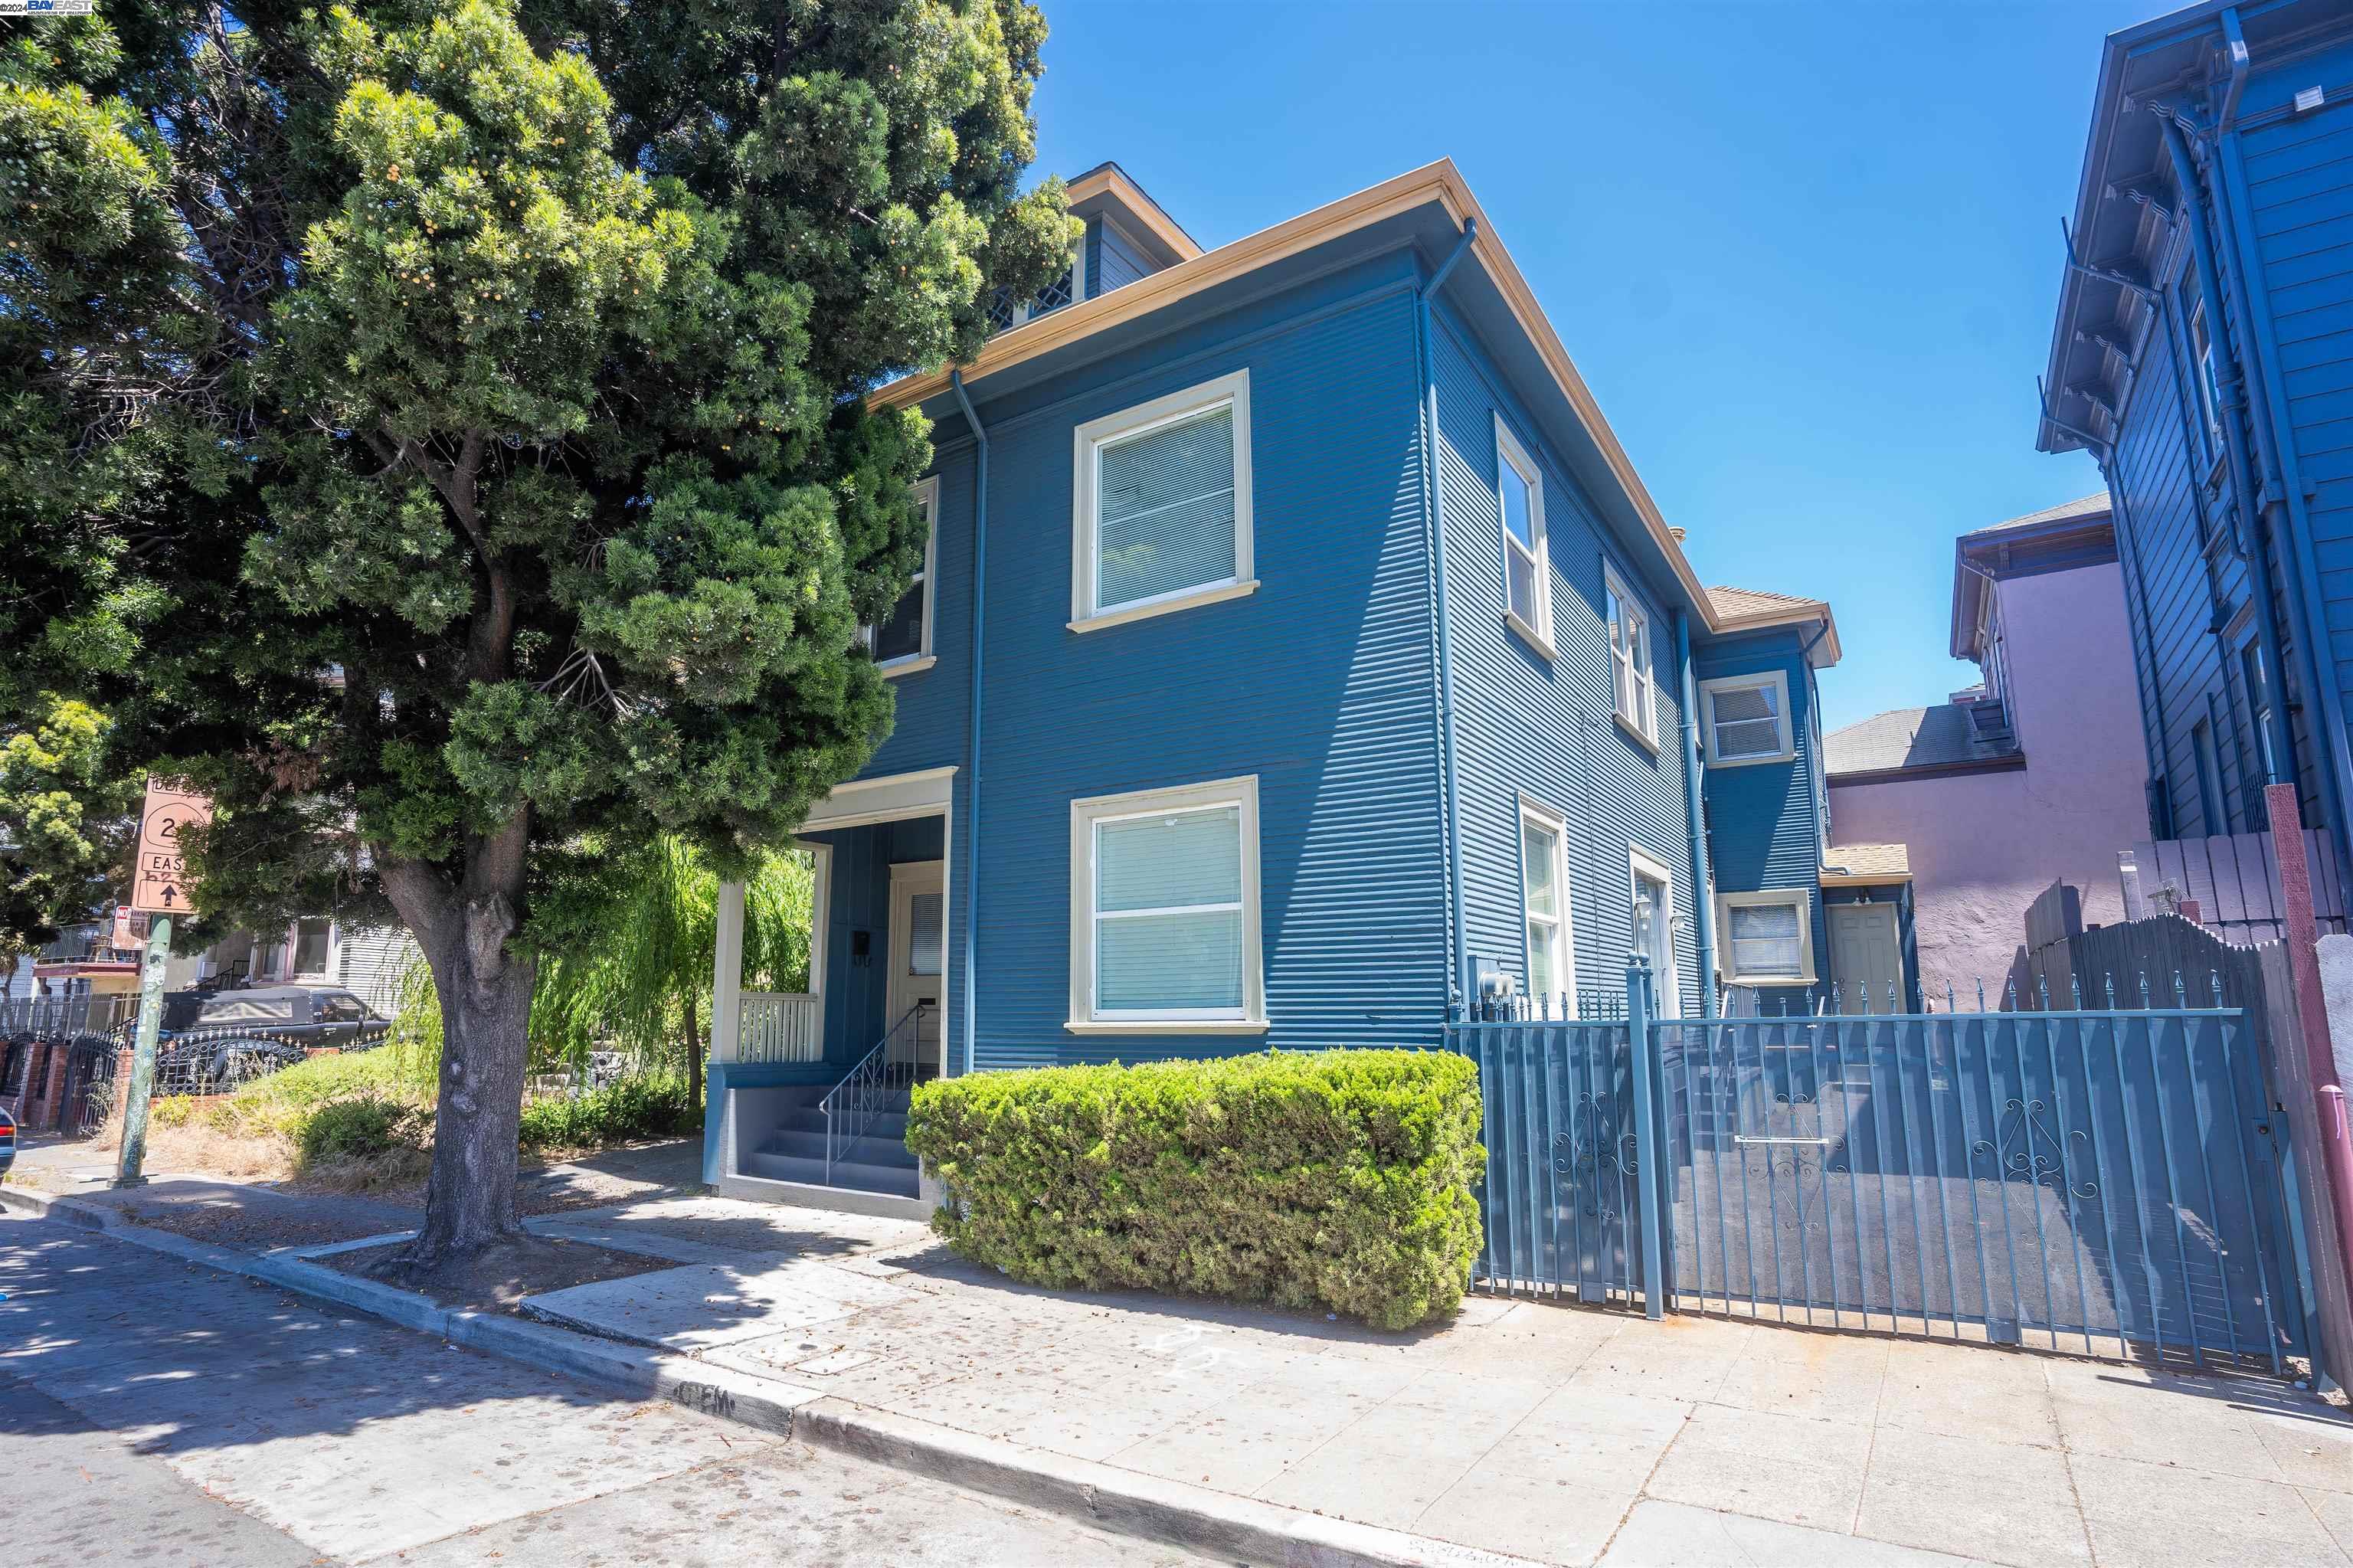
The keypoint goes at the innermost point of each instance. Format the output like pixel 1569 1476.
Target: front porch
pixel 808 1090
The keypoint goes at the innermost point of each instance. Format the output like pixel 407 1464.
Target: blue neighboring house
pixel 1297 659
pixel 2204 354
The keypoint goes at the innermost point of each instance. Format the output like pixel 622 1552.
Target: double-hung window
pixel 2210 387
pixel 2259 701
pixel 1629 661
pixel 1767 938
pixel 1165 911
pixel 1527 563
pixel 903 642
pixel 1161 514
pixel 1544 901
pixel 1747 719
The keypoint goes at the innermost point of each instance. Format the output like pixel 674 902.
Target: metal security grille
pixel 2101 1180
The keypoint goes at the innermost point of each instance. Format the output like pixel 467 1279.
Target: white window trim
pixel 927 496
pixel 1648 734
pixel 1670 979
pixel 1508 450
pixel 2206 372
pixel 1085 813
pixel 1556 824
pixel 1777 679
pixel 1087 442
pixel 1794 897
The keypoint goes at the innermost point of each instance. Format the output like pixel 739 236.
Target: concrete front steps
pixel 877 1163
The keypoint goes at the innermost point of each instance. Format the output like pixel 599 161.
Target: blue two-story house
pixel 2204 354
pixel 1297 660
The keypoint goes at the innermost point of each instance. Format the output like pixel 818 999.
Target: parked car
pixel 7 1140
pixel 295 1014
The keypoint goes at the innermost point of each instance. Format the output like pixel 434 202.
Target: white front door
pixel 1654 930
pixel 917 957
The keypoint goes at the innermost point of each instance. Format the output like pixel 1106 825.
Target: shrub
pixel 354 1131
pixel 1337 1178
pixel 284 1101
pixel 625 1111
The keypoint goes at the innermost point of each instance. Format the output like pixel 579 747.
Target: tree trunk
pixel 693 1042
pixel 485 995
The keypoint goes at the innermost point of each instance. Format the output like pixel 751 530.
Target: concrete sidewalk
pixel 1547 1433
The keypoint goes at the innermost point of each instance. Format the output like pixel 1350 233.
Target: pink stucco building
pixel 2035 777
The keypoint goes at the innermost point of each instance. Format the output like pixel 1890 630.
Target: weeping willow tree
pixel 633 972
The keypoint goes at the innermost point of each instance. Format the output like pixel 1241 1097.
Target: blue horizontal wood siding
pixel 2185 584
pixel 1114 259
pixel 1765 820
pixel 2300 198
pixel 1318 684
pixel 1543 728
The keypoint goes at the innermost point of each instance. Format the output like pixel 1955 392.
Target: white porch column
pixel 727 974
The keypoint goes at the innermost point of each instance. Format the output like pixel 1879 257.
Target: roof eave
pixel 1824 652
pixel 2107 103
pixel 1438 182
pixel 1110 179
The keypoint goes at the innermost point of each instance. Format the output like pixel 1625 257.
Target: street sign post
pixel 127 1171
pixel 159 886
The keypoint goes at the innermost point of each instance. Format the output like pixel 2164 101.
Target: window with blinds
pixel 1164 503
pixel 1164 906
pixel 1168 914
pixel 1765 938
pixel 1165 508
pixel 1747 719
pixel 1544 901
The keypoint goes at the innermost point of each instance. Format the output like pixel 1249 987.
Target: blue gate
pixel 2101 1181
pixel 1564 1155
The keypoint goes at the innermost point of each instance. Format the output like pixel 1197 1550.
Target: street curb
pixel 1128 1503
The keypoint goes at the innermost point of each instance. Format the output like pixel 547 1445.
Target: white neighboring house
pixel 367 961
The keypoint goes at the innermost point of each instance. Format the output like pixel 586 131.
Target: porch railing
pixel 852 1106
pixel 781 1026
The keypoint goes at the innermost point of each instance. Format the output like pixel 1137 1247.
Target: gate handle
pixel 1817 1142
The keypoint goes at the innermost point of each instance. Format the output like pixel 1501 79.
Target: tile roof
pixel 1910 737
pixel 1866 862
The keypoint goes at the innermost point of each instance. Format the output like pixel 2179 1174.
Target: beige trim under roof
pixel 1441 182
pixel 1113 180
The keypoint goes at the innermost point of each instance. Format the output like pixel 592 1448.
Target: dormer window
pixel 1056 294
pixel 1006 313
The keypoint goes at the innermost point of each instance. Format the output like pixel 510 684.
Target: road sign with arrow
pixel 160 886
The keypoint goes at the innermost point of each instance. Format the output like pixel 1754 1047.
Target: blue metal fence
pixel 2098 1180
pixel 1564 1154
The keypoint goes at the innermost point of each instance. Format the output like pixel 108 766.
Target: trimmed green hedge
pixel 1339 1179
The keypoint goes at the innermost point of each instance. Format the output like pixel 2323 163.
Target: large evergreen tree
pixel 437 428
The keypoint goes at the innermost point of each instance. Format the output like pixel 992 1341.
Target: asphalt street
pixel 155 1413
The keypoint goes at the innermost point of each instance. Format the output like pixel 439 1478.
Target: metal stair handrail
pixel 851 1105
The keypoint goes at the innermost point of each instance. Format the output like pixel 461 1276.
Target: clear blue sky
pixel 1806 255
